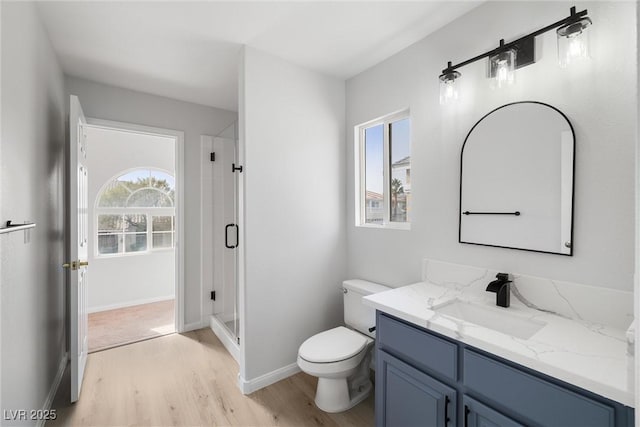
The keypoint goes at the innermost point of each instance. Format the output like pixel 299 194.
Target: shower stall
pixel 221 232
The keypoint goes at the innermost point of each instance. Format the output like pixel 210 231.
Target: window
pixel 163 231
pixel 383 172
pixel 135 213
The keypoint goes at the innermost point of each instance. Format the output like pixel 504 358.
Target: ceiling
pixel 189 50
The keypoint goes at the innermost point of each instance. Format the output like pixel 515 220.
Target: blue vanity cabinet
pixel 408 395
pixel 478 415
pixel 425 379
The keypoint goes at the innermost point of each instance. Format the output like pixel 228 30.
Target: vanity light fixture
pixel 448 88
pixel 507 57
pixel 573 40
pixel 502 66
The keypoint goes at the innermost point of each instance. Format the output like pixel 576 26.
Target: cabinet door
pixel 478 415
pixel 407 397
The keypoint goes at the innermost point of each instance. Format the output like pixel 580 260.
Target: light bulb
pixel 448 87
pixel 502 69
pixel 573 42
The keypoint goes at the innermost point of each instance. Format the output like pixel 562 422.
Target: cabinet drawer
pixel 417 347
pixel 542 402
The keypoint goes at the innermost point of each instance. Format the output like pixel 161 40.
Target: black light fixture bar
pixel 574 16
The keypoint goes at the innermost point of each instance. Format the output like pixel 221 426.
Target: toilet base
pixel 333 394
pixel 340 394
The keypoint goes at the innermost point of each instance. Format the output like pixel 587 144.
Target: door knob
pixel 73 265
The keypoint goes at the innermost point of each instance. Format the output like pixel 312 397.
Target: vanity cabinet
pixel 478 415
pixel 409 395
pixel 425 379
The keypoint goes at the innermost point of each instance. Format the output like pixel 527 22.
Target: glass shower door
pixel 229 313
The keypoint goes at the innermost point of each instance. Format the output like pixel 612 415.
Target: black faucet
pixel 502 289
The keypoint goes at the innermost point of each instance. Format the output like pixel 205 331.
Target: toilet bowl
pixel 341 357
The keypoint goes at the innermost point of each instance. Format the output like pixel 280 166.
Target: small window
pixel 374 174
pixel 122 233
pixel 400 148
pixel 135 213
pixel 163 231
pixel 383 172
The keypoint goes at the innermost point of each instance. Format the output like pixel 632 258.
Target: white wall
pixel 138 277
pixel 599 99
pixel 32 140
pixel 117 104
pixel 292 148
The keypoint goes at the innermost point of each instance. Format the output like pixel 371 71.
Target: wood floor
pixel 130 324
pixel 189 379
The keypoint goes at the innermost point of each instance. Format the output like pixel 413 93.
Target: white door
pixel 78 233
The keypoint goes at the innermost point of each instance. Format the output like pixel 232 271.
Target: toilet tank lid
pixel 364 287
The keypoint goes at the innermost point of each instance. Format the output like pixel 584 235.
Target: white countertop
pixel 586 354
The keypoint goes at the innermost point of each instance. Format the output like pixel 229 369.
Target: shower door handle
pixel 226 236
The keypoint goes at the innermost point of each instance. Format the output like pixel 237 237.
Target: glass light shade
pixel 502 69
pixel 573 42
pixel 449 88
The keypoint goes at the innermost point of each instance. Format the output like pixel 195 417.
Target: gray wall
pixel 599 99
pixel 112 103
pixel 31 188
pixel 292 146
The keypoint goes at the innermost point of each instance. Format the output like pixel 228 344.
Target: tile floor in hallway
pixel 130 324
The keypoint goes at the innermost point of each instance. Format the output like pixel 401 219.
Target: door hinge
pixel 213 157
pixel 213 295
pixel 238 339
pixel 236 168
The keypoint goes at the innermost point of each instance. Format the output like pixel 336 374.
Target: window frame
pixel 171 232
pixel 360 170
pixel 149 212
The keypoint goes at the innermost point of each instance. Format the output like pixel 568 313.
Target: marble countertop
pixel 583 353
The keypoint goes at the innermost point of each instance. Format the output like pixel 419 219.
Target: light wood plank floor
pixel 189 379
pixel 111 328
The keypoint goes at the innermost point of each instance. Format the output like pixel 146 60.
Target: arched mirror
pixel 516 180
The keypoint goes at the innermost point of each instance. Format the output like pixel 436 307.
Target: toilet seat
pixel 332 346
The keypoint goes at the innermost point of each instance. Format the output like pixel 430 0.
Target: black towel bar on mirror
pixel 516 213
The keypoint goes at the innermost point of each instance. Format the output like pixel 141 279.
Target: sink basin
pixel 498 319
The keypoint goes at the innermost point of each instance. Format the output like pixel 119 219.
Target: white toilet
pixel 340 357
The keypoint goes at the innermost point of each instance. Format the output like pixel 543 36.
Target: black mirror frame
pixel 573 181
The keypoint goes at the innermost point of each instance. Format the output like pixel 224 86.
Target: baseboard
pixel 248 387
pixel 194 325
pixel 224 319
pixel 225 338
pixel 54 389
pixel 130 303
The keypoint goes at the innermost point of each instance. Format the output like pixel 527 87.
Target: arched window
pixel 135 209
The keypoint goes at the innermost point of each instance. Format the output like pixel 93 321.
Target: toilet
pixel 341 357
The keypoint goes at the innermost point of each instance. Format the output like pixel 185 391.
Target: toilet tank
pixel 357 315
